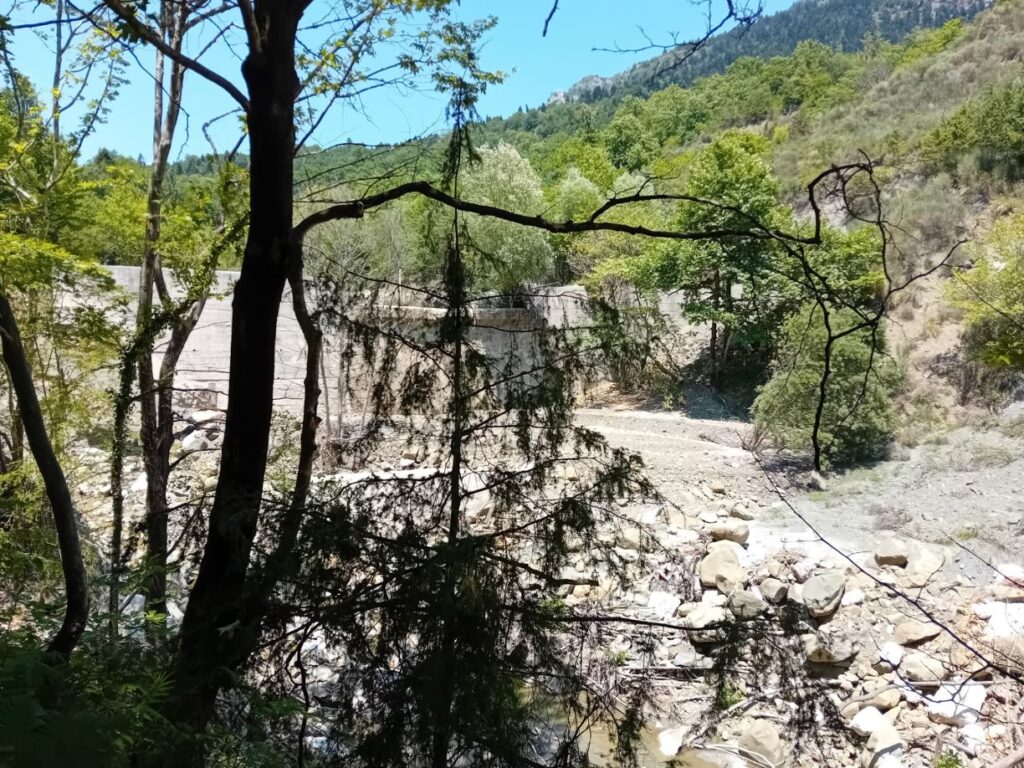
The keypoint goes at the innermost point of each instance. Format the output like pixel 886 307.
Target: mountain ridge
pixel 839 23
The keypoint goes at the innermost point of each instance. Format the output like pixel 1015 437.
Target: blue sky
pixel 536 67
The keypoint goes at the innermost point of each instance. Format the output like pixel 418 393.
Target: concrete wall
pixel 501 334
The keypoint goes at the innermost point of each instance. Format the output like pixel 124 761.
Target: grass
pixel 949 760
pixel 967 533
pixel 1015 428
pixel 726 696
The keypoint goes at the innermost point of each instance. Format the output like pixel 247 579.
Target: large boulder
pixel 884 747
pixel 829 647
pixel 761 737
pixel 956 704
pixel 913 632
pixel 891 551
pixel 773 590
pixel 731 530
pixel 823 593
pixel 922 564
pixel 920 667
pixel 746 605
pixel 721 565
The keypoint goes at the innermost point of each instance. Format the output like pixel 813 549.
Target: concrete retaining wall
pixel 202 378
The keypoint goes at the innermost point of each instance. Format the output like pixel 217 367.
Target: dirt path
pixel 965 491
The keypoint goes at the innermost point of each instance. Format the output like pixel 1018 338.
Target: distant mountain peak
pixel 839 23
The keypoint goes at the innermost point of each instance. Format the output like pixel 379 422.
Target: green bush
pixel 93 711
pixel 857 419
pixel 991 296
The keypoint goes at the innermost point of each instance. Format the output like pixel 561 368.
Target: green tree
pixel 500 255
pixel 630 144
pixel 730 283
pixel 856 418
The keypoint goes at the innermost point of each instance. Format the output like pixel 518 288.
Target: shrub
pixel 991 295
pixel 857 419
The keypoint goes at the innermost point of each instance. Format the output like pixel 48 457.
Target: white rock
pixel 829 647
pixel 740 512
pixel 867 721
pixel 922 564
pixel 853 597
pixel 200 417
pixel 802 569
pixel 704 616
pixel 194 441
pixel 884 742
pixel 719 564
pixel 891 653
pixel 746 605
pixel 957 704
pixel 139 484
pixel 1010 573
pixel 670 740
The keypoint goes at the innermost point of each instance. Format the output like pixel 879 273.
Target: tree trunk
pixel 214 641
pixel 157 417
pixel 76 585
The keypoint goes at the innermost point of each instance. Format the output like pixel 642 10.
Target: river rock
pixel 732 530
pixel 885 698
pixel 829 647
pixel 919 667
pixel 706 620
pixel 704 616
pixel 913 632
pixel 761 737
pixel 670 740
pixel 774 591
pixel 922 564
pixel 891 551
pixel 889 657
pixel 746 605
pixel 740 512
pixel 822 594
pixel 1008 653
pixel 884 744
pixel 1007 593
pixel 721 565
pixel 730 578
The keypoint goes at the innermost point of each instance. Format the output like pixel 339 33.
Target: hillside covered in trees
pixel 509 427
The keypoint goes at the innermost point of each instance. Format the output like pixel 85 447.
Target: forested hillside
pixel 841 24
pixel 674 422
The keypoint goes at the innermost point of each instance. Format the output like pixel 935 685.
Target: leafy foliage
pixel 857 419
pixel 991 295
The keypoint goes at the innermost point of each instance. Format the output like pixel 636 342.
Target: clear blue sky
pixel 536 67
